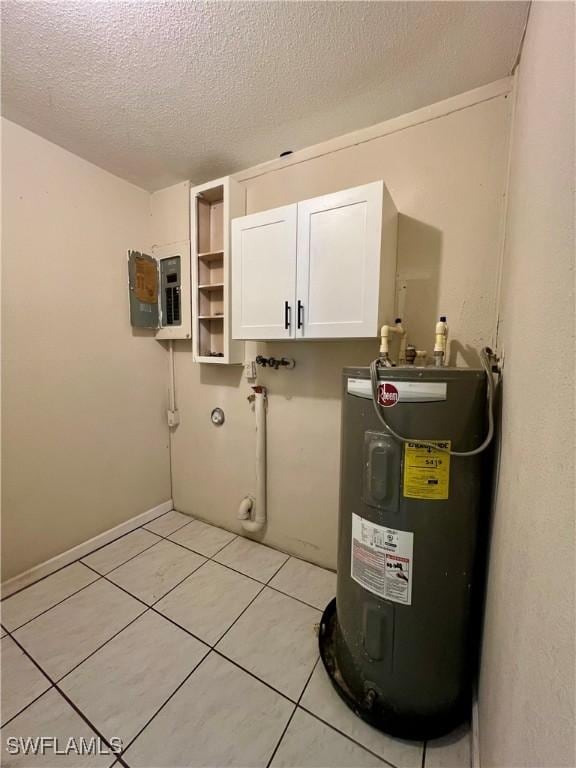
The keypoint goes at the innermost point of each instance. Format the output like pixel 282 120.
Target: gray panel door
pixel 143 282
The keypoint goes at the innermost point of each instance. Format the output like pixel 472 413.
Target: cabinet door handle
pixel 287 312
pixel 300 314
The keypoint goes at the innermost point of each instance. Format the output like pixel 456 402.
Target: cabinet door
pixel 339 242
pixel 264 274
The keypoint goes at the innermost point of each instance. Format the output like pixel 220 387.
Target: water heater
pixel 398 641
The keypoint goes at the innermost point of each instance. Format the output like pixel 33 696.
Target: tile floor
pixel 193 646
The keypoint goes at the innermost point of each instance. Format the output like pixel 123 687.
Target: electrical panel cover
pixel 143 283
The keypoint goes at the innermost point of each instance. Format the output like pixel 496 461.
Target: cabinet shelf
pixel 211 359
pixel 211 255
pixel 213 206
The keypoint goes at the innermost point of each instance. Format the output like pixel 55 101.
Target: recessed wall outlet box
pixel 173 418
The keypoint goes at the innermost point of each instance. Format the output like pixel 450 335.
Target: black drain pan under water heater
pixel 398 640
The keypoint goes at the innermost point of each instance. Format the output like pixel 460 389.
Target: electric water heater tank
pixel 398 642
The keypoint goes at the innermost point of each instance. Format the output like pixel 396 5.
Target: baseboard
pixel 65 558
pixel 475 735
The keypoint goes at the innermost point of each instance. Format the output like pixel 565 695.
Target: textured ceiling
pixel 158 92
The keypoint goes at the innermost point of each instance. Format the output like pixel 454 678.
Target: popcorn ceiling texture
pixel 160 92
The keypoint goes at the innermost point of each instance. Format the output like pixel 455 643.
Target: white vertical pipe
pixel 260 408
pixel 171 377
pixel 385 333
pixel 440 342
pixel 259 519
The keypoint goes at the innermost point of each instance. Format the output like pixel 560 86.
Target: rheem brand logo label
pixel 387 394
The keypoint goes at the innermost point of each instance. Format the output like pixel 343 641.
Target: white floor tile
pixel 22 681
pixel 116 553
pixel 203 538
pixel 168 523
pixel 209 601
pixel 220 717
pixel 154 572
pixel 307 582
pixel 321 699
pixel 122 685
pixel 51 716
pixel 251 558
pixel 69 632
pixel 276 640
pixel 308 743
pixel 452 751
pixel 20 608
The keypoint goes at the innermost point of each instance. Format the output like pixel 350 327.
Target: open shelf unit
pixel 212 208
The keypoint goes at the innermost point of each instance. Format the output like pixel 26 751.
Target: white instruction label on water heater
pixel 381 560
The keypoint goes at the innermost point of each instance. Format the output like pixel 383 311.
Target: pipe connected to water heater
pixel 385 333
pixel 440 342
pixel 253 512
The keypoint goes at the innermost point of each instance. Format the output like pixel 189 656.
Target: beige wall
pixel 528 663
pixel 447 177
pixel 85 442
pixel 169 210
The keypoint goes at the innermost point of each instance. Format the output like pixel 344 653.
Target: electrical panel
pixel 160 290
pixel 170 292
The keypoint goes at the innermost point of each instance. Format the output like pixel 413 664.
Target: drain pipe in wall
pixel 253 512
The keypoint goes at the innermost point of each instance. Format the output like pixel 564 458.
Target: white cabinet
pixel 319 269
pixel 264 274
pixel 338 263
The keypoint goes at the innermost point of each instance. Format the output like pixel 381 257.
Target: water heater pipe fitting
pixel 486 357
pixel 440 342
pixel 385 333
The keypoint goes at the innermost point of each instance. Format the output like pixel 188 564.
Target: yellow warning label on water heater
pixel 426 470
